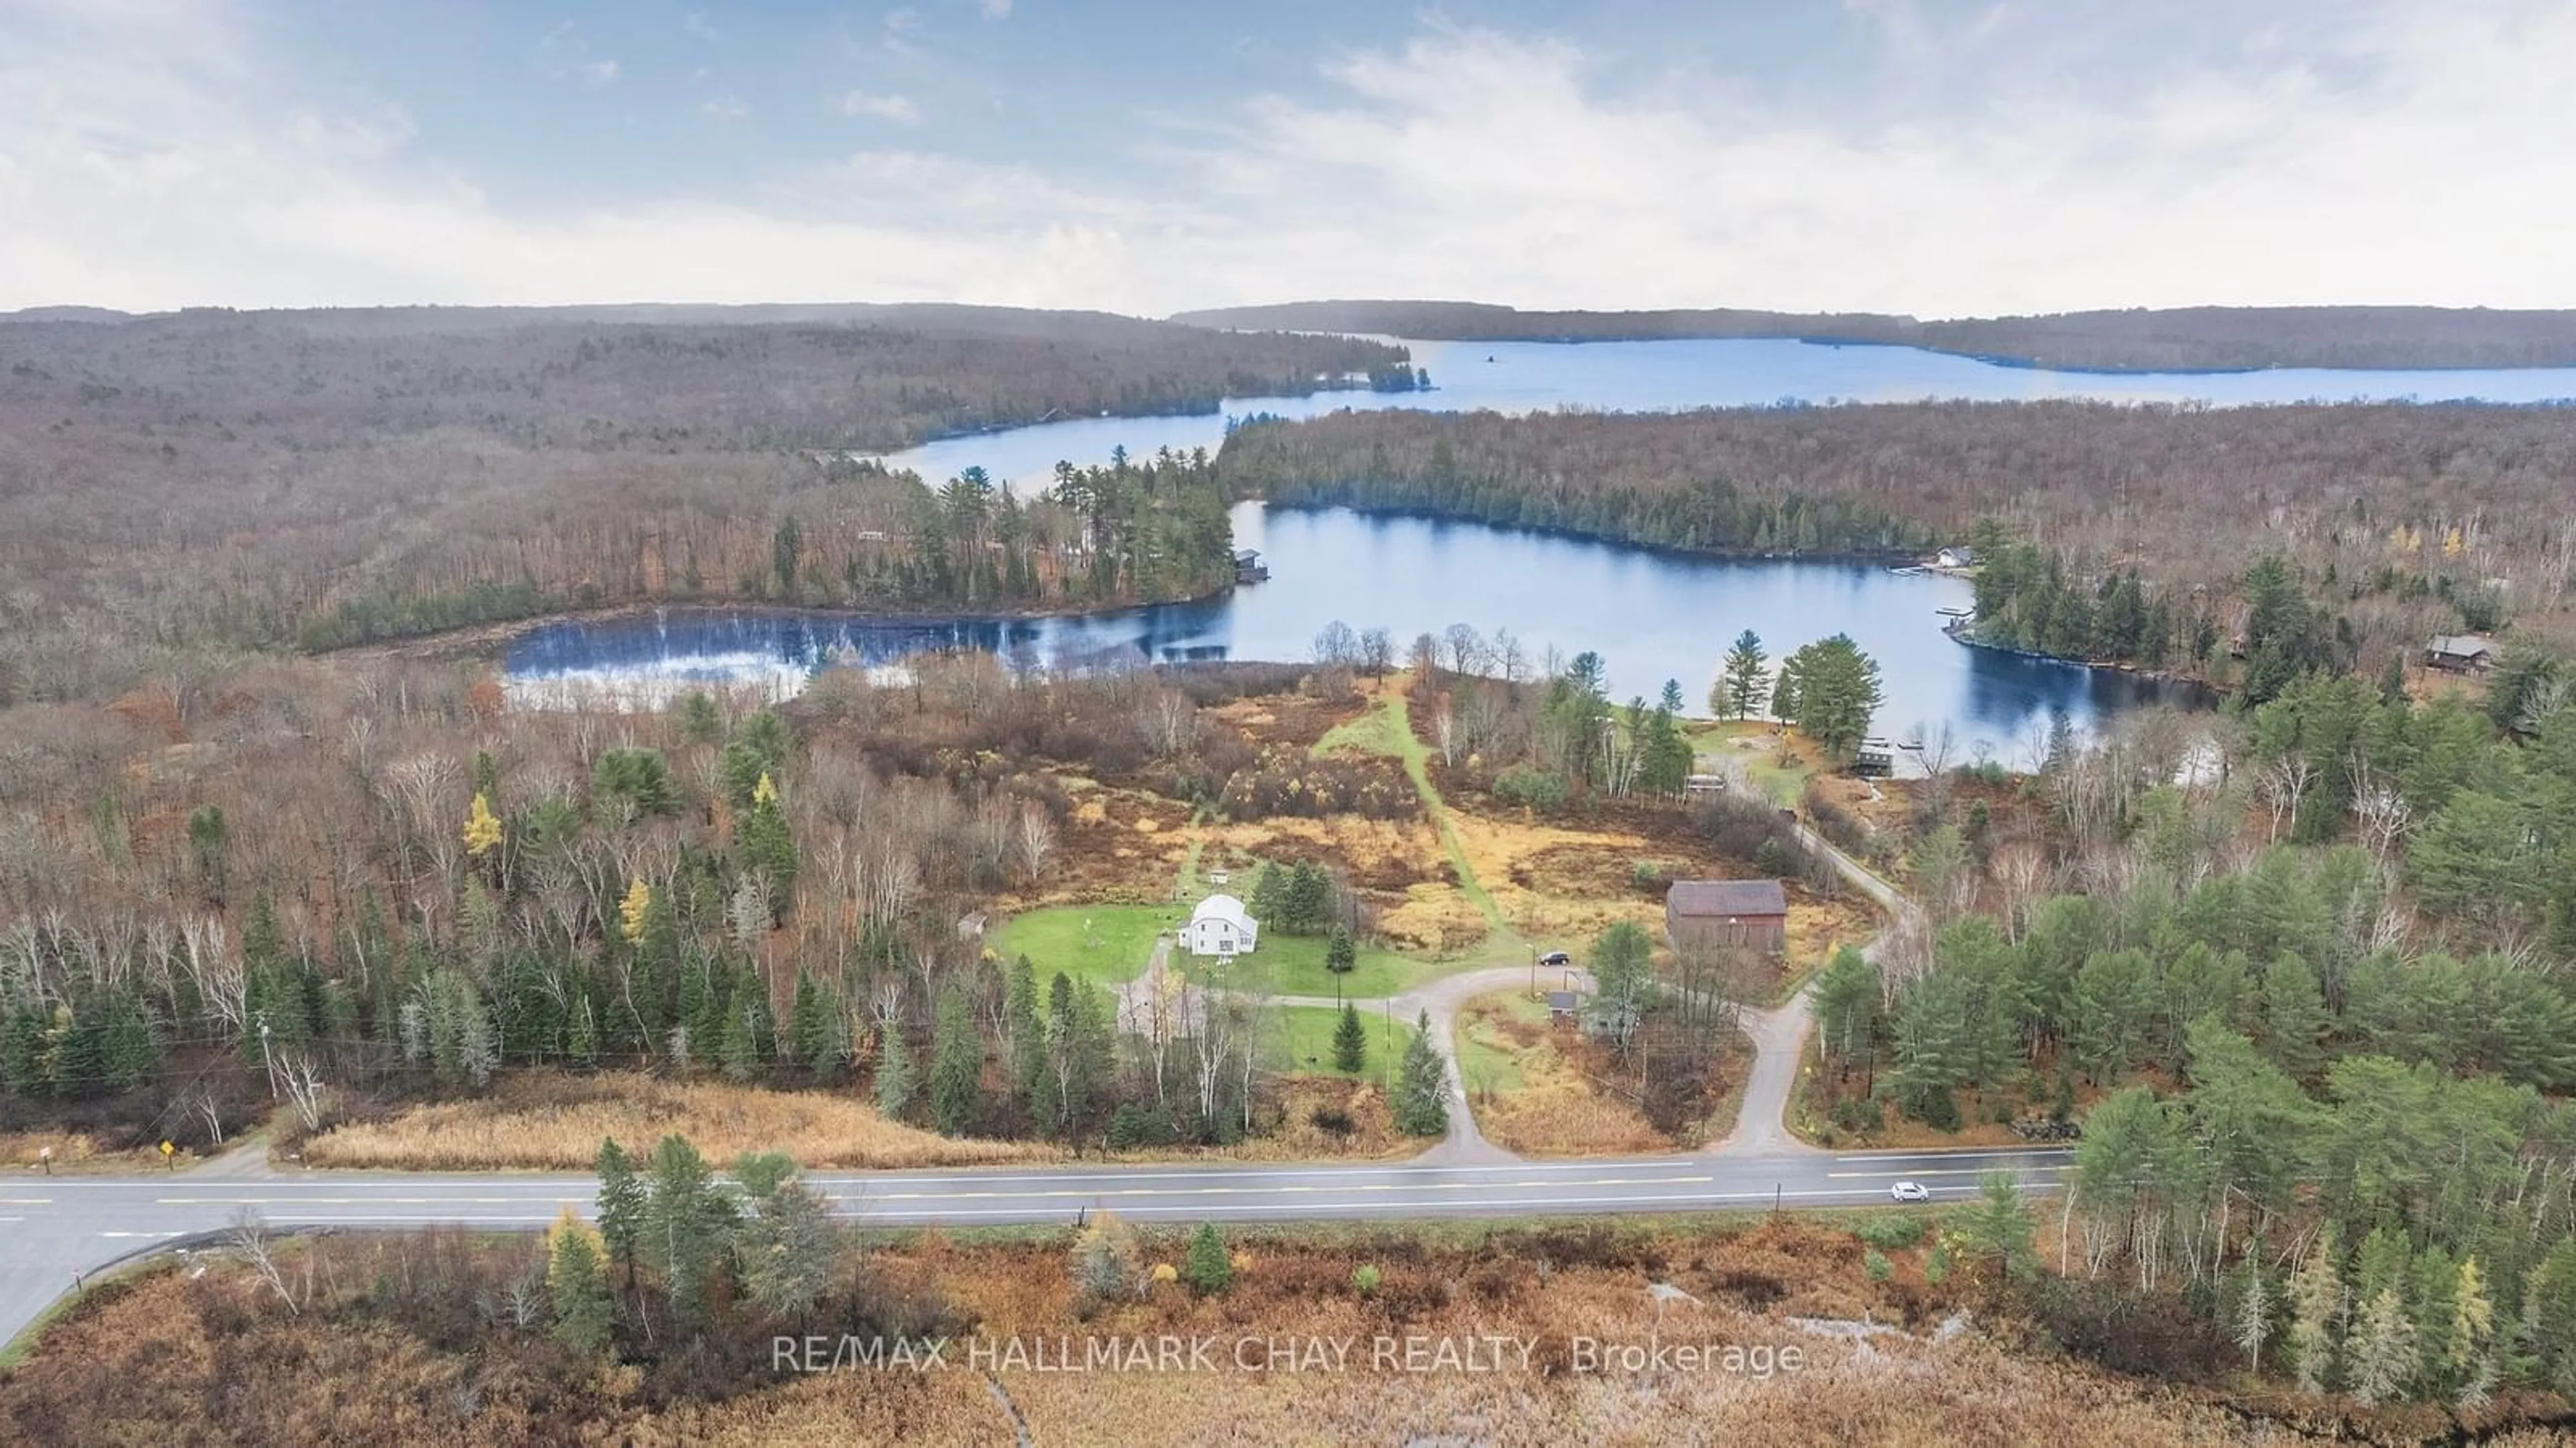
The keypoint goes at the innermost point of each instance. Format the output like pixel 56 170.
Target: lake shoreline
pixel 478 640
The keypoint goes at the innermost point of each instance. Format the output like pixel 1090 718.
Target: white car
pixel 1910 1192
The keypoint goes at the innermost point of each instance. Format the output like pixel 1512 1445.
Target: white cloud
pixel 995 9
pixel 695 23
pixel 149 158
pixel 597 72
pixel 726 108
pixel 898 27
pixel 897 109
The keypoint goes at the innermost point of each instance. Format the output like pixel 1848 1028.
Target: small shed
pixel 1221 927
pixel 2460 653
pixel 1563 1007
pixel 1959 557
pixel 1714 915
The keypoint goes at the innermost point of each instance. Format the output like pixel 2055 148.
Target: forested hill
pixel 2137 340
pixel 858 377
pixel 340 476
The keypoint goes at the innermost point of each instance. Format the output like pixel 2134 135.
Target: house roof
pixel 1726 897
pixel 1222 907
pixel 2463 646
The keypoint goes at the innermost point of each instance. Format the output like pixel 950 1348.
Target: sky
pixel 1932 157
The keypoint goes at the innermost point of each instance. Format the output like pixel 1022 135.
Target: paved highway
pixel 54 1227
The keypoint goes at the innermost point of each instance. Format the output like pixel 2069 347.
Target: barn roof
pixel 1726 897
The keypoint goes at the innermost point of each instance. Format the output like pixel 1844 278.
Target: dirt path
pixel 1139 999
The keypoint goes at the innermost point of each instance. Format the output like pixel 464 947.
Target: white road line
pixel 1468 1208
pixel 366 1201
pixel 1244 1173
pixel 1955 1171
pixel 1962 1155
pixel 1282 1190
pixel 26 1201
pixel 405 1220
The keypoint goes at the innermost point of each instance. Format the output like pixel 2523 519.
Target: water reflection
pixel 1652 615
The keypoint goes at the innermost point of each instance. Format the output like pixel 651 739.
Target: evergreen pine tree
pixel 684 1221
pixel 813 1026
pixel 738 1052
pixel 577 1288
pixel 768 847
pixel 1422 1086
pixel 1209 1270
pixel 894 1072
pixel 956 1065
pixel 1350 1041
pixel 1027 1033
pixel 621 1205
pixel 1308 905
pixel 1741 681
pixel 1341 954
pixel 1269 906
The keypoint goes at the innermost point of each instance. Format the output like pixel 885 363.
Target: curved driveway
pixel 52 1229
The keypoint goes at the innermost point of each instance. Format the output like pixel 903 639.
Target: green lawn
pixel 1384 729
pixel 1755 745
pixel 1104 944
pixel 1304 1041
pixel 1294 965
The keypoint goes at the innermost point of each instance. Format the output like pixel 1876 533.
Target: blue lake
pixel 1652 616
pixel 1676 375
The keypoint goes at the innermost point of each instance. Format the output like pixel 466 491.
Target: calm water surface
pixel 1651 615
pixel 1675 375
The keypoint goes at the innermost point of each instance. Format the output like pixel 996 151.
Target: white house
pixel 1219 926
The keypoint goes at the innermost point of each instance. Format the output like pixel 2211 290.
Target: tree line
pixel 216 482
pixel 2142 339
pixel 2393 521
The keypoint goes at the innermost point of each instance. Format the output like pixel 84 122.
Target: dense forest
pixel 2394 521
pixel 2306 966
pixel 2136 340
pixel 249 481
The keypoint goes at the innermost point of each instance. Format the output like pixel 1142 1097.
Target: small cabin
pixel 1875 759
pixel 1961 557
pixel 2460 653
pixel 1248 567
pixel 1715 915
pixel 1220 927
